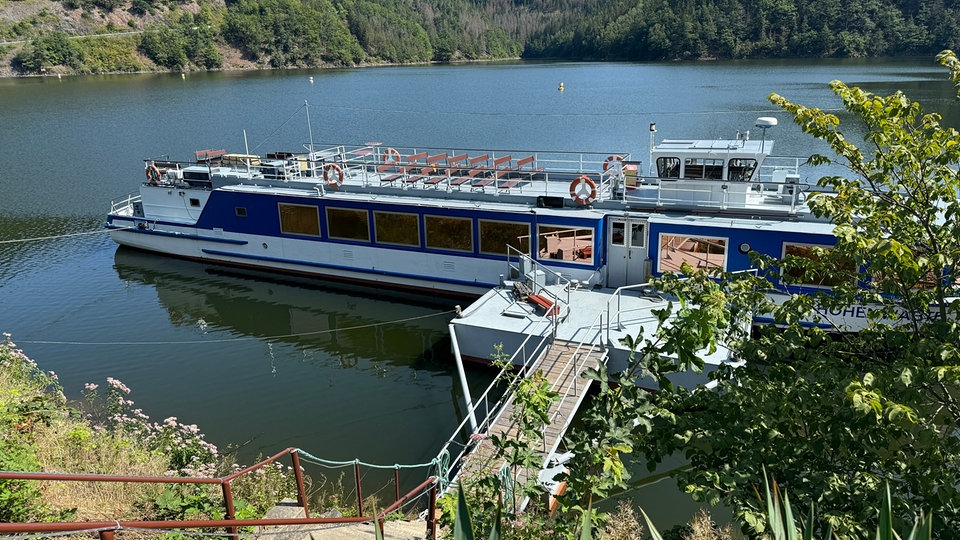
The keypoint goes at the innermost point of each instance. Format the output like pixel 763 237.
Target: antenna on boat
pixel 306 107
pixel 653 134
pixel 765 123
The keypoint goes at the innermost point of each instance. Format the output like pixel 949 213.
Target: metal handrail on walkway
pixel 484 401
pixel 107 529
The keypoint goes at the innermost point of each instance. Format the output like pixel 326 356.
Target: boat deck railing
pixel 124 207
pixel 613 179
pixel 775 188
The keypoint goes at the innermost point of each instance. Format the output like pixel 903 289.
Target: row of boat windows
pixel 738 169
pixel 445 233
pixel 711 252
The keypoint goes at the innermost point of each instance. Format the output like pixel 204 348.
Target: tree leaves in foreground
pixel 834 417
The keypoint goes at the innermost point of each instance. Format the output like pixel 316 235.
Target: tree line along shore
pixel 115 36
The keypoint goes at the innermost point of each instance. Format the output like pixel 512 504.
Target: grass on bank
pixel 106 434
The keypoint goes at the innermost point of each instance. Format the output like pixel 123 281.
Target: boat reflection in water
pixel 345 321
pixel 340 371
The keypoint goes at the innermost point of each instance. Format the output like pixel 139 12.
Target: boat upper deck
pixel 571 180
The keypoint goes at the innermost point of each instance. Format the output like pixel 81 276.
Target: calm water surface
pixel 266 363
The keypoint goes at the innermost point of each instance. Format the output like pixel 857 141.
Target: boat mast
pixel 306 107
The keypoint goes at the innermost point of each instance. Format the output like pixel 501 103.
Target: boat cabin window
pixel 807 276
pixel 668 167
pixel 637 238
pixel 195 175
pixel 703 168
pixel 495 236
pixel 451 233
pixel 194 202
pixel 617 236
pixel 348 224
pixel 395 228
pixel 697 251
pixel 565 243
pixel 741 170
pixel 299 219
pixel 240 211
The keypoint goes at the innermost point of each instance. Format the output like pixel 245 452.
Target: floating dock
pixel 543 322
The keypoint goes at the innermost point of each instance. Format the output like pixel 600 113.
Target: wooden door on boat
pixel 627 260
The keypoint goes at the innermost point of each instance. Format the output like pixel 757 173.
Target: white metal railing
pixel 646 289
pixel 576 364
pixel 125 206
pixel 723 195
pixel 526 268
pixel 491 409
pixel 360 163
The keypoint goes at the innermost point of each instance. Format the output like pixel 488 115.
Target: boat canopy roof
pixel 712 148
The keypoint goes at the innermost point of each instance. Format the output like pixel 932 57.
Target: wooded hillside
pixel 42 35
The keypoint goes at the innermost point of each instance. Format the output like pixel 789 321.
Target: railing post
pixel 228 500
pixel 396 482
pixel 356 470
pixel 298 475
pixel 432 514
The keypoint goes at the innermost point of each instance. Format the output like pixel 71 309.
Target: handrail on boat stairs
pixel 468 434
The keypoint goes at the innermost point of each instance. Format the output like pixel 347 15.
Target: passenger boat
pixel 455 221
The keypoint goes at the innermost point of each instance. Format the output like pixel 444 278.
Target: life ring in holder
pixel 333 175
pixel 607 163
pixel 583 190
pixel 391 156
pixel 153 175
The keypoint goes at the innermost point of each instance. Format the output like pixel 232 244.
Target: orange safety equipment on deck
pixel 391 155
pixel 333 175
pixel 583 190
pixel 607 163
pixel 153 174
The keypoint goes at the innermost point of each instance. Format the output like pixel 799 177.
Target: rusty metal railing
pixel 107 529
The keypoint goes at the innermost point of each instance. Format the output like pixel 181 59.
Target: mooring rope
pixel 58 236
pixel 238 339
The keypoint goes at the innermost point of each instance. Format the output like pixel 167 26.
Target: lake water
pixel 268 363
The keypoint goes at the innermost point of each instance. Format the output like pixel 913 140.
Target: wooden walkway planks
pixel 562 371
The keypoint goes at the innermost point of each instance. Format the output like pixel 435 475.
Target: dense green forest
pixel 87 36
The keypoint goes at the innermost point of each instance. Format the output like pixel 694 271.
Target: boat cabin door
pixel 627 260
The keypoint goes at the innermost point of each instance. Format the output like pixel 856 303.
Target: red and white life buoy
pixel 153 175
pixel 607 163
pixel 333 175
pixel 583 190
pixel 391 155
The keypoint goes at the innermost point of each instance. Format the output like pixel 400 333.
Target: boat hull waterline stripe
pixel 372 272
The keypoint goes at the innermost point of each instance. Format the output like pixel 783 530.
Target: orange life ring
pixel 609 161
pixel 153 174
pixel 583 190
pixel 331 180
pixel 391 155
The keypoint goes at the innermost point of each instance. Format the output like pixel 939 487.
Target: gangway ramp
pixel 562 364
